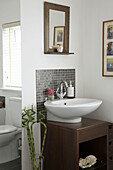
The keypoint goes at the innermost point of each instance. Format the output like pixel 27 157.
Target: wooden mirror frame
pixel 66 9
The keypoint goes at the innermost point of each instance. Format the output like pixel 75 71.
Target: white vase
pixel 52 97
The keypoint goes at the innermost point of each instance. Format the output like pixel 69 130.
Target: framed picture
pixel 59 34
pixel 107 65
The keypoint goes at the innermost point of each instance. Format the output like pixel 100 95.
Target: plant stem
pixel 44 137
pixel 28 120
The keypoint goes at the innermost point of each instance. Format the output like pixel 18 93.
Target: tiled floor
pixel 12 165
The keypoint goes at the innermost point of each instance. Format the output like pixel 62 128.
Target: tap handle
pixel 57 92
pixel 61 87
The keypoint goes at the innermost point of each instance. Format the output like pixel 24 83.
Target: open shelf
pixel 98 166
pixel 98 148
pixel 57 53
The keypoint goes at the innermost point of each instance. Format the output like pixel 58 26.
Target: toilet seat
pixel 7 129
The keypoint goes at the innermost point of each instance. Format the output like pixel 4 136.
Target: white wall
pixel 96 86
pixel 85 41
pixel 9 12
pixel 33 57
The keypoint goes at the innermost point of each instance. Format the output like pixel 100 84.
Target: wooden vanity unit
pixel 110 146
pixel 66 143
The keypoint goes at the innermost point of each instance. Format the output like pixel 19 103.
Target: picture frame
pixel 107 59
pixel 59 36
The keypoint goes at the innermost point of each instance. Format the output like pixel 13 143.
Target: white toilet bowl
pixel 9 142
pixel 10 134
pixel 7 134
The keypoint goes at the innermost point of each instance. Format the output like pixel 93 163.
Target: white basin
pixel 70 110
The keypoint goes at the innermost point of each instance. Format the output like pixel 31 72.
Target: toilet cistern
pixel 62 89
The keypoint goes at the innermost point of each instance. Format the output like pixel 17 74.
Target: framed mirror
pixel 56 28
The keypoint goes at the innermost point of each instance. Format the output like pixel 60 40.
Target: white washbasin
pixel 70 110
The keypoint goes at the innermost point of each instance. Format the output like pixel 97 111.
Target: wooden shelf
pixel 96 167
pixel 57 53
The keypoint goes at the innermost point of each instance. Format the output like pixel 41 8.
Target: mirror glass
pixel 10 85
pixel 56 19
pixel 56 28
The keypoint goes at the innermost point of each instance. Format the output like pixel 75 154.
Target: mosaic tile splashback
pixel 51 78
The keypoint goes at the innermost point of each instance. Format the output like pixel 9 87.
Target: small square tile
pixel 51 78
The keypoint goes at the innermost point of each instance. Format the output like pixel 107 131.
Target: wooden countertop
pixel 85 123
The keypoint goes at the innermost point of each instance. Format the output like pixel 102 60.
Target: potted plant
pixel 28 120
pixel 50 93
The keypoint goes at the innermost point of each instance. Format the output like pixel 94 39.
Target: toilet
pixel 10 134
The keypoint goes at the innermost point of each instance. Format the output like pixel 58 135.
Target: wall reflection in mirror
pixel 10 85
pixel 56 28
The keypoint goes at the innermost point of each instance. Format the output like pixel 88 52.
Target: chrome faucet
pixel 62 89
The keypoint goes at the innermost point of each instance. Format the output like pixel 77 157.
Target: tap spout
pixel 62 89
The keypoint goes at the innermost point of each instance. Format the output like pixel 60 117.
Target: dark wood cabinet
pixel 110 131
pixel 66 143
pixel 110 145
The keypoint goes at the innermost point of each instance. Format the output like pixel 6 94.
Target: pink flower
pixel 50 92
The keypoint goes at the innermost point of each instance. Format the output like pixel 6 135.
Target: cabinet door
pixel 60 149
